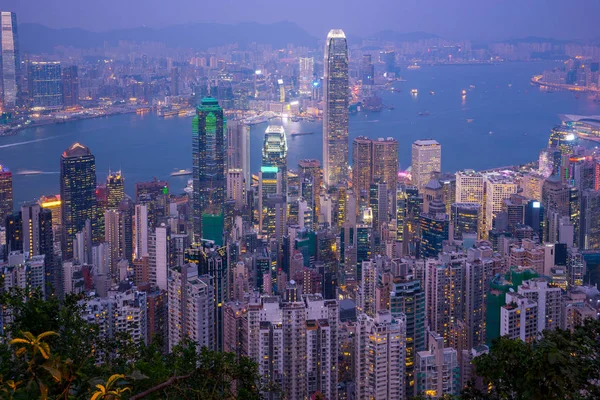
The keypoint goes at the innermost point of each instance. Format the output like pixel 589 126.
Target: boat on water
pixel 469 120
pixel 300 133
pixel 464 92
pixel 414 91
pixel 181 172
pixel 491 133
pixel 414 66
pixel 431 92
pixel 472 86
pixel 423 113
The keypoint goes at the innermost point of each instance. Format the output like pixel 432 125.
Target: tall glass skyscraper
pixel 77 193
pixel 208 159
pixel 306 75
pixel 10 62
pixel 45 84
pixel 274 153
pixel 115 189
pixel 335 110
pixel 6 194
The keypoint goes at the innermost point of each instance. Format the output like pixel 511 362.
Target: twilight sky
pixel 472 19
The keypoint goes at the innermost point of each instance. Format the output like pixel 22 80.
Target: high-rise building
pixel 466 218
pixel 115 190
pixel 159 254
pixel 141 231
pixel 70 86
pixel 367 70
pixel 38 240
pixel 191 307
pixel 385 161
pixel 497 189
pixel 45 84
pixel 53 203
pixel 274 152
pixel 435 228
pixel 362 151
pixel 469 187
pixel 236 187
pixel 208 156
pixel 238 149
pixel 306 80
pixel 426 161
pixel 112 236
pixel 379 351
pixel 6 193
pixel 10 59
pixel 444 294
pixel 77 193
pixel 590 220
pixel 335 110
pixel 437 371
pixel 518 318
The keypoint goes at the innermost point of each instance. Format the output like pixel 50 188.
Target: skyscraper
pixel 11 63
pixel 6 193
pixel 335 110
pixel 45 83
pixel 274 152
pixel 362 151
pixel 426 160
pixel 306 75
pixel 115 190
pixel 466 218
pixel 38 240
pixel 208 158
pixel 238 149
pixel 77 193
pixel 70 86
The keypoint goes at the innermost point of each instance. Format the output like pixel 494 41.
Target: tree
pixel 561 364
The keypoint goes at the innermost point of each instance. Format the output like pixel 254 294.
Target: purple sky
pixel 473 19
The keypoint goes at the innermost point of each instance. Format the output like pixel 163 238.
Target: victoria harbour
pixel 502 120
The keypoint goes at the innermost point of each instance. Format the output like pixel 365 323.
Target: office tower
pixel 141 231
pixel 470 187
pixel 274 213
pixel 6 192
pixel 426 161
pixel 556 203
pixel 532 186
pixel 38 240
pixel 477 276
pixel 274 153
pixel 548 300
pixel 364 246
pixel 126 213
pixel 435 228
pixel 14 233
pixel 379 367
pixel 115 190
pixel 45 84
pixel 407 300
pixel 367 70
pixel 191 307
pixel 309 171
pixel 52 203
pixel 159 253
pixel 443 291
pixel 362 151
pixel 437 372
pixel 236 187
pixel 385 161
pixel 388 58
pixel 465 218
pixel 77 193
pixel 70 86
pixel 497 189
pixel 208 156
pixel 238 149
pixel 335 110
pixel 307 65
pixel 11 62
pixel 590 220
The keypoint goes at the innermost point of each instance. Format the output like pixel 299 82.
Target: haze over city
pixel 315 200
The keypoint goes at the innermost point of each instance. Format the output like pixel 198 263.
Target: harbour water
pixel 502 120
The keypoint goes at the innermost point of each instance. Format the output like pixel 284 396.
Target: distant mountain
pixel 37 38
pixel 536 39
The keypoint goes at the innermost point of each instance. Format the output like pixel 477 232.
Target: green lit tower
pixel 77 193
pixel 208 158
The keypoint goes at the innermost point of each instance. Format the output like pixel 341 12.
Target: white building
pixel 469 187
pixel 159 249
pixel 497 188
pixel 548 299
pixel 379 352
pixel 140 229
pixel 518 318
pixel 191 307
pixel 426 159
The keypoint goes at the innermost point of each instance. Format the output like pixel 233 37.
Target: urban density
pixel 349 276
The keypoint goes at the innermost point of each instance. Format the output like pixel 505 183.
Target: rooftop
pixel 336 34
pixel 77 150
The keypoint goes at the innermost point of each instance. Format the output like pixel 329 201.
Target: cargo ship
pixel 181 172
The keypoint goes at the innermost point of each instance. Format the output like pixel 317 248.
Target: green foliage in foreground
pixel 52 354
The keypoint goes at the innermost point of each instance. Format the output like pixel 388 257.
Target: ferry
pixel 464 92
pixel 423 113
pixel 431 92
pixel 414 91
pixel 414 66
pixel 181 172
pixel 300 133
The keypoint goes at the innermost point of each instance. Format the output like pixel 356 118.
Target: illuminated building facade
pixel 274 152
pixel 426 161
pixel 497 189
pixel 208 160
pixel 77 193
pixel 307 65
pixel 469 187
pixel 11 63
pixel 115 190
pixel 6 193
pixel 434 230
pixel 53 203
pixel 238 153
pixel 437 370
pixel 466 218
pixel 335 110
pixel 38 240
pixel 45 84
